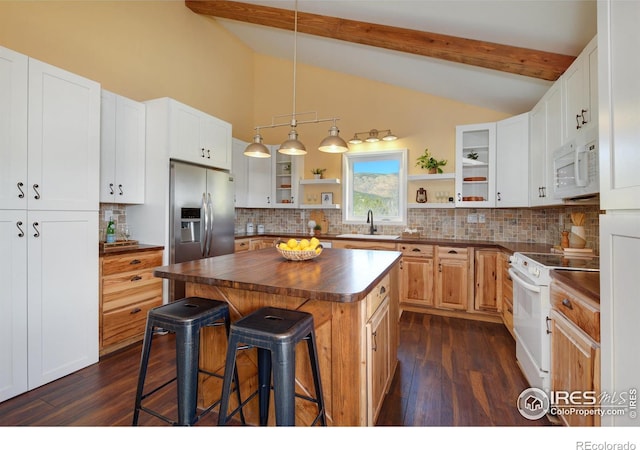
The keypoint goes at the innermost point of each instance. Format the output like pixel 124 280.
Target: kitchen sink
pixel 369 236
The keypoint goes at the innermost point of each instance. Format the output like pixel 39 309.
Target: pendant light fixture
pixel 373 135
pixel 292 145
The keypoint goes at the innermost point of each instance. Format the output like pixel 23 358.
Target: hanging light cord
pixel 295 58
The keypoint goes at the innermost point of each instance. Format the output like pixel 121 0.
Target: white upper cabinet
pixel 580 90
pixel 199 138
pixel 63 157
pixel 512 157
pixel 122 149
pixel 287 173
pixel 545 137
pixel 13 129
pixel 619 130
pixel 252 178
pixel 476 165
pixel 50 139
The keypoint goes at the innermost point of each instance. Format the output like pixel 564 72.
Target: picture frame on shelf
pixel 327 198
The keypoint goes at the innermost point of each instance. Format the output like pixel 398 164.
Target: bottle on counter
pixel 111 231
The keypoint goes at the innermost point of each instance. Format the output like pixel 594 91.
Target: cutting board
pixel 319 218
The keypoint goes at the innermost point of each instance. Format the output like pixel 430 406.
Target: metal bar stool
pixel 186 318
pixel 275 333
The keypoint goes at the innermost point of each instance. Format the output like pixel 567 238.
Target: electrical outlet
pixel 472 218
pixel 481 218
pixel 108 214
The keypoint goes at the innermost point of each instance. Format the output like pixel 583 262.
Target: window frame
pixel 348 159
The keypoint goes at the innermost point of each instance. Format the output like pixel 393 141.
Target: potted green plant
pixel 426 161
pixel 317 173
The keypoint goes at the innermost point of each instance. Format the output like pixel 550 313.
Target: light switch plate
pixel 108 214
pixel 481 218
pixel 472 218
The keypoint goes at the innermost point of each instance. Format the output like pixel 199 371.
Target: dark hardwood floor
pixel 451 372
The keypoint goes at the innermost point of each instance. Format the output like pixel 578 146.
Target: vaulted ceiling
pixel 499 54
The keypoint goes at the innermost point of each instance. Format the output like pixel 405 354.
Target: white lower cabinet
pixel 48 296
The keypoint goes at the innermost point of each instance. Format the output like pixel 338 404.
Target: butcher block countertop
pixel 586 283
pixel 336 275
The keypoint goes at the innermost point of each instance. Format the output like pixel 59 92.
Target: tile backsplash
pixel 536 225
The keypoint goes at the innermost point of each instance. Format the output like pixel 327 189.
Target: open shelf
pixel 319 206
pixel 320 181
pixel 431 176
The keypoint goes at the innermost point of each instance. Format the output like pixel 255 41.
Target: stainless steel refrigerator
pixel 202 216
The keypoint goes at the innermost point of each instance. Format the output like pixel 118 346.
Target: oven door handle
pixel 520 280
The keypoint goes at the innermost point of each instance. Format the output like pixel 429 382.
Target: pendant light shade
pixel 292 146
pixel 333 143
pixel 257 149
pixel 389 136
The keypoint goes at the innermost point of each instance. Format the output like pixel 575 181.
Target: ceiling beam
pixel 505 58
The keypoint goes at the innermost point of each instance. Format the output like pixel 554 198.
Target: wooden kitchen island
pixel 353 296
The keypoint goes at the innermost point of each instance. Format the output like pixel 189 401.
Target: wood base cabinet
pixel 486 297
pixel 416 271
pixel 505 292
pixel 128 290
pixel 452 278
pixel 575 351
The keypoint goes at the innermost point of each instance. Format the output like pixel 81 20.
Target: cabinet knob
pixel 135 311
pixel 567 303
pixel 136 278
pixel 120 188
pixel 35 188
pixel 453 252
pixel 20 230
pixel 135 261
pixel 111 189
pixel 20 185
pixel 202 151
pixel 35 227
pixel 499 197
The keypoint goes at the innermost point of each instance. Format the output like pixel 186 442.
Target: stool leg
pixel 142 374
pixel 284 381
pixel 188 346
pixel 229 371
pixel 315 369
pixel 264 384
pixel 236 378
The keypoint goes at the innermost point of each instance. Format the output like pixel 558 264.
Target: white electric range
pixel 531 275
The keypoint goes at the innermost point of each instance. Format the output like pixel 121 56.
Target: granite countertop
pixel 510 247
pixel 586 283
pixel 336 275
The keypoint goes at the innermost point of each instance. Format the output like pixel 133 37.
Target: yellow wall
pixel 139 49
pixel 150 49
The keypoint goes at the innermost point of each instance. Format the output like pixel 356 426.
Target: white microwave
pixel 575 170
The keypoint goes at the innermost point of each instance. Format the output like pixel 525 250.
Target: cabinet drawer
pixel 241 245
pixel 130 261
pixel 119 291
pixel 377 295
pixel 417 250
pixel 453 252
pixel 125 323
pixel 578 311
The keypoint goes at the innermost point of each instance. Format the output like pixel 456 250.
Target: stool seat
pixel 275 333
pixel 185 317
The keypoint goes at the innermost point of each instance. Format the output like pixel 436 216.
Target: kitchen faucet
pixel 372 229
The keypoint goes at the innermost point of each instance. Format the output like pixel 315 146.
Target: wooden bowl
pixel 298 255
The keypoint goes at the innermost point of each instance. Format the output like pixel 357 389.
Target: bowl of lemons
pixel 299 250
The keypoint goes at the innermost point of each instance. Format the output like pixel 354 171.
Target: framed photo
pixel 327 198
